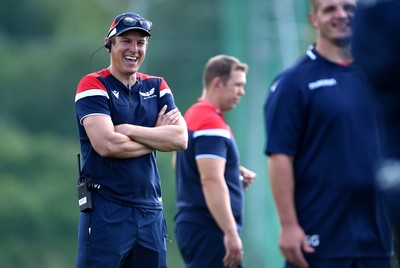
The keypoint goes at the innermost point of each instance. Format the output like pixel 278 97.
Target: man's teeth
pixel 131 58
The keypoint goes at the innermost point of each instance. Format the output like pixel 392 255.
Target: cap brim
pixel 134 28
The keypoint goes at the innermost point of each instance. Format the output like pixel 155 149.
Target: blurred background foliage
pixel 46 47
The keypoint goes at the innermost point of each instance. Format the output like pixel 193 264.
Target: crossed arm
pixel 128 141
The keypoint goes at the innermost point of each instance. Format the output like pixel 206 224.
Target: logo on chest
pixel 322 83
pixel 115 93
pixel 149 94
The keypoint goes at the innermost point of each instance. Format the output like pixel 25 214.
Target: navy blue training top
pixel 322 114
pixel 132 181
pixel 209 136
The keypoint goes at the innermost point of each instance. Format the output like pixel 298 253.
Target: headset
pixel 107 44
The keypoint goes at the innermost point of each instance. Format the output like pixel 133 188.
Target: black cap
pixel 129 21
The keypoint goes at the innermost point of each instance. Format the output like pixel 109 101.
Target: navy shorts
pixel 372 262
pixel 114 236
pixel 200 246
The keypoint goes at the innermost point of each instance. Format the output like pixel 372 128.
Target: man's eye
pixel 350 8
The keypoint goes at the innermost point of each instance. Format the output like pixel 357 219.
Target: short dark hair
pixel 221 66
pixel 313 6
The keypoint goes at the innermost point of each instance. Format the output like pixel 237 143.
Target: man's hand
pixel 293 242
pixel 170 118
pixel 247 176
pixel 234 250
pixel 163 119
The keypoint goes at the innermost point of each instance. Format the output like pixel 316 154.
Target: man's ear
pixel 313 20
pixel 216 83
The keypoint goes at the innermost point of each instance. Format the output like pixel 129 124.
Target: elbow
pixel 184 146
pixel 178 140
pixel 177 145
pixel 182 137
pixel 105 153
pixel 182 141
pixel 104 150
pixel 181 147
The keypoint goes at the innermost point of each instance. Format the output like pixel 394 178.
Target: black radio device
pixel 84 189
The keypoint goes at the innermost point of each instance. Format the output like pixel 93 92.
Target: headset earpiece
pixel 107 44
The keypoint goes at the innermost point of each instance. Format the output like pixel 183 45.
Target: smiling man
pixel 322 144
pixel 124 117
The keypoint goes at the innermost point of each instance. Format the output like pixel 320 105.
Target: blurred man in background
pixel 210 180
pixel 123 117
pixel 322 146
pixel 376 44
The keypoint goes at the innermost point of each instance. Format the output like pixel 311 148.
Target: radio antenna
pixel 79 164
